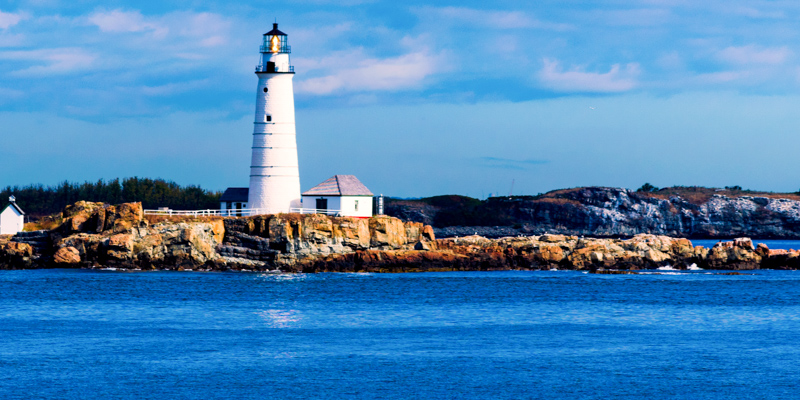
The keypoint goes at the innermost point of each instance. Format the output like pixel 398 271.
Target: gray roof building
pixel 339 185
pixel 237 195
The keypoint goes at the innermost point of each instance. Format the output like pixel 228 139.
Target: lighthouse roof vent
pixel 274 31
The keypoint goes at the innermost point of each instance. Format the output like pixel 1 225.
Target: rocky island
pixel 690 212
pixel 97 235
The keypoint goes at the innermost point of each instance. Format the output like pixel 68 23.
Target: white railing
pixel 244 212
pixel 335 213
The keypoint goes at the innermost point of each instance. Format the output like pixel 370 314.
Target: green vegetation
pixel 647 188
pixel 38 200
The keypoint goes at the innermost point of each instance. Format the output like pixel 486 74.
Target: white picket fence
pixel 244 212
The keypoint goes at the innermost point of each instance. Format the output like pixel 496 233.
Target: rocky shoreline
pixel 96 235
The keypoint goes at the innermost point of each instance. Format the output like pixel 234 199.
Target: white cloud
pixel 370 74
pixel 618 79
pixel 752 54
pixel 756 13
pixel 117 21
pixel 209 29
pixel 203 29
pixel 8 20
pixel 58 61
pixel 492 19
pixel 11 40
pixel 7 95
pixel 174 88
pixel 634 17
pixel 721 77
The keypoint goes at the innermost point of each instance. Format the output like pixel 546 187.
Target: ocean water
pixel 77 334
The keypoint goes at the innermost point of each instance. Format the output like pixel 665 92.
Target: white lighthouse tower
pixel 274 174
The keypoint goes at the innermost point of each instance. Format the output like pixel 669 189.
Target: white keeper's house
pixel 12 219
pixel 341 195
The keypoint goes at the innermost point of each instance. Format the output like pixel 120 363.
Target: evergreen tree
pixel 38 200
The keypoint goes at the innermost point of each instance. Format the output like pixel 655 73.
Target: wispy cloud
pixel 8 20
pixel 508 163
pixel 634 17
pixel 752 54
pixel 208 29
pixel 752 12
pixel 721 77
pixel 617 79
pixel 117 21
pixel 495 19
pixel 174 88
pixel 56 61
pixel 370 74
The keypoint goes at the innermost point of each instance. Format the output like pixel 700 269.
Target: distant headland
pixel 690 212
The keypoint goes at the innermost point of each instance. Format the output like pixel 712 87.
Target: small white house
pixel 341 195
pixel 234 199
pixel 12 219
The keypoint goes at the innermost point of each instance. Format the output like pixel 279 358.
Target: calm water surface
pixel 86 334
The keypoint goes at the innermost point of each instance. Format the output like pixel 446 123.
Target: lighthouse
pixel 274 173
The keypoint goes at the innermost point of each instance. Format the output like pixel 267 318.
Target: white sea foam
pixel 667 268
pixel 694 267
pixel 661 273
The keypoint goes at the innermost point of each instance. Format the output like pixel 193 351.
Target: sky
pixel 414 98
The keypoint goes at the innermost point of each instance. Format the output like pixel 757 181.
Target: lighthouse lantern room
pixel 274 172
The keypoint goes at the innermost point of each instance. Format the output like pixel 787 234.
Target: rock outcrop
pixel 95 235
pixel 293 242
pixel 615 212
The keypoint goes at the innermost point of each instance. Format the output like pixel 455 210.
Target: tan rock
pixel 124 217
pixel 552 238
pixel 16 249
pixel 550 253
pixel 354 233
pixel 387 233
pixel 83 216
pixel 67 255
pixel 428 234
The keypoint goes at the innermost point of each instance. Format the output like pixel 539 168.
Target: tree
pixel 648 188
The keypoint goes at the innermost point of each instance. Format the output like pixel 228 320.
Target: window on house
pixel 356 205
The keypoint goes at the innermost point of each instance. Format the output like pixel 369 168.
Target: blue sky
pixel 414 98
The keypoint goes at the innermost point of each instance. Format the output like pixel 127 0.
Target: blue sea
pixel 78 334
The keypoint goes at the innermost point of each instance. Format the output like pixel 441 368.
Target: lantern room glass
pixel 275 44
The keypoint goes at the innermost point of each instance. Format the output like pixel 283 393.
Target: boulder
pixel 67 255
pixel 83 216
pixel 124 217
pixel 17 249
pixel 387 233
pixel 738 254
